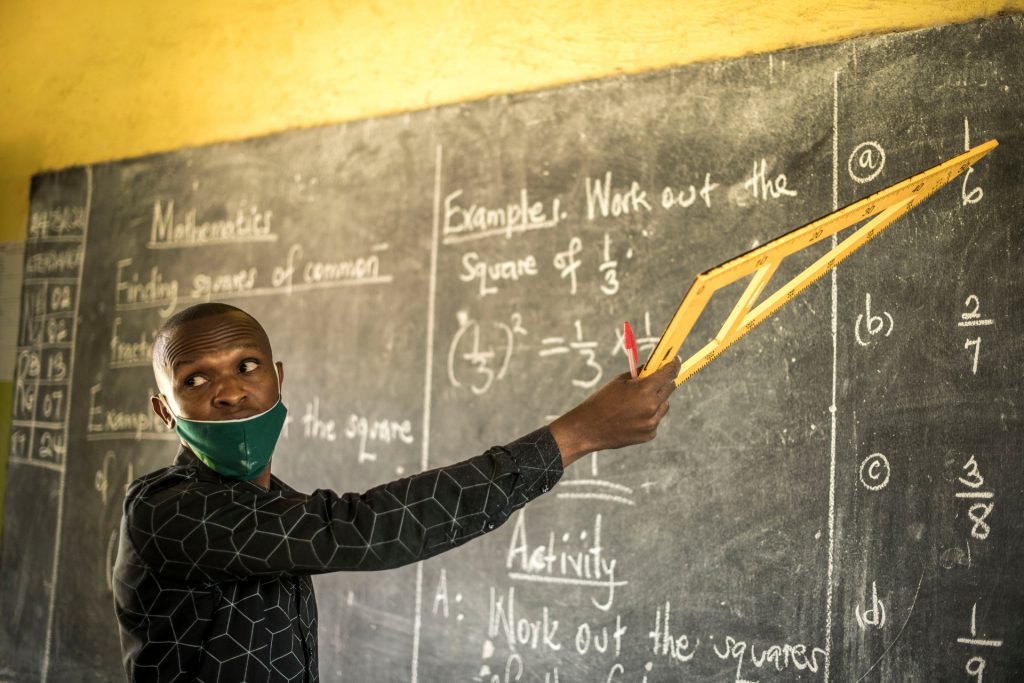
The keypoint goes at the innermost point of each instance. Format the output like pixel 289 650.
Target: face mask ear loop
pixel 167 405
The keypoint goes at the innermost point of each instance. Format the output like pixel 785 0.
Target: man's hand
pixel 623 412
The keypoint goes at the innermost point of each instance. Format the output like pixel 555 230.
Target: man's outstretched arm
pixel 201 531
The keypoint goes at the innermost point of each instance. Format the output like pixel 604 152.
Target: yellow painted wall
pixel 92 80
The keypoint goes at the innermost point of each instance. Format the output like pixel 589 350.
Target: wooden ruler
pixel 882 207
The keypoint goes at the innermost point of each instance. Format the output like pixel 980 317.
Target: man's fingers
pixel 670 369
pixel 663 379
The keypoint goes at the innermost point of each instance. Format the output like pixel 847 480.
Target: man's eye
pixel 195 381
pixel 248 366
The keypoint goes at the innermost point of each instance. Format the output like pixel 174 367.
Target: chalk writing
pixel 873 614
pixel 645 342
pixel 132 291
pixel 866 162
pixel 476 221
pixel 130 354
pixel 971 317
pixel 135 424
pixel 684 197
pixel 603 200
pixel 317 274
pixel 56 262
pixel 665 643
pixel 58 222
pixel 762 187
pixel 609 268
pixel 869 326
pixel 371 430
pixel 980 510
pixel 442 601
pixel 44 357
pixel 538 633
pixel 976 194
pixel 554 346
pixel 473 268
pixel 567 263
pixel 874 472
pixel 800 656
pixel 489 360
pixel 977 664
pixel 561 561
pixel 205 286
pixel 249 224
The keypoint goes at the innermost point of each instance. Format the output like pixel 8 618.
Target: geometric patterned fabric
pixel 211 581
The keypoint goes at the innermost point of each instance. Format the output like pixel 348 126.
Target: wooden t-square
pixel 885 206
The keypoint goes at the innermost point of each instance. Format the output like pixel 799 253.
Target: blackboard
pixel 838 497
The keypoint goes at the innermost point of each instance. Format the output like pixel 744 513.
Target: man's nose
pixel 230 392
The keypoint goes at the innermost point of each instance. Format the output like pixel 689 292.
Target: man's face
pixel 216 368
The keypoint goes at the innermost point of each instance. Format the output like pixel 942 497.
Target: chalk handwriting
pixel 763 188
pixel 441 599
pixel 976 194
pixel 873 614
pixel 476 221
pixel 315 428
pixel 205 286
pixel 364 269
pixel 603 200
pixel 866 162
pixel 562 561
pixel 249 224
pixel 485 349
pixel 874 472
pixel 665 643
pixel 486 274
pixel 780 657
pixel 130 354
pixel 132 291
pixel 567 263
pixel 971 317
pixel 538 633
pixel 375 430
pixel 103 420
pixel 979 511
pixel 554 346
pixel 56 262
pixel 645 342
pixel 869 326
pixel 609 268
pixel 977 664
pixel 598 639
pixel 56 223
pixel 684 197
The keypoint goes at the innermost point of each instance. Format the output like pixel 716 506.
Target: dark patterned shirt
pixel 211 581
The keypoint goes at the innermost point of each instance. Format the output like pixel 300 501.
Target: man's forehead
pixel 211 335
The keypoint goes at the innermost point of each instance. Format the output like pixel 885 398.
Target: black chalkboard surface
pixel 838 497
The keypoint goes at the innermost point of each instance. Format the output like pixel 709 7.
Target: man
pixel 211 581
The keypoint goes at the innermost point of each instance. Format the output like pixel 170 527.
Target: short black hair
pixel 196 312
pixel 183 317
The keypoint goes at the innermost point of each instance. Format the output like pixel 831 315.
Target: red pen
pixel 630 343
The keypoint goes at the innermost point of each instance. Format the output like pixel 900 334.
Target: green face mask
pixel 238 449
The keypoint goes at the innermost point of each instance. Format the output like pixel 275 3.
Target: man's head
pixel 213 362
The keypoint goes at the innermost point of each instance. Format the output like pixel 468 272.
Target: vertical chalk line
pixel 427 391
pixel 54 570
pixel 832 407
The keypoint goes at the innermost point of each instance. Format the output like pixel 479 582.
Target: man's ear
pixel 280 372
pixel 161 409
